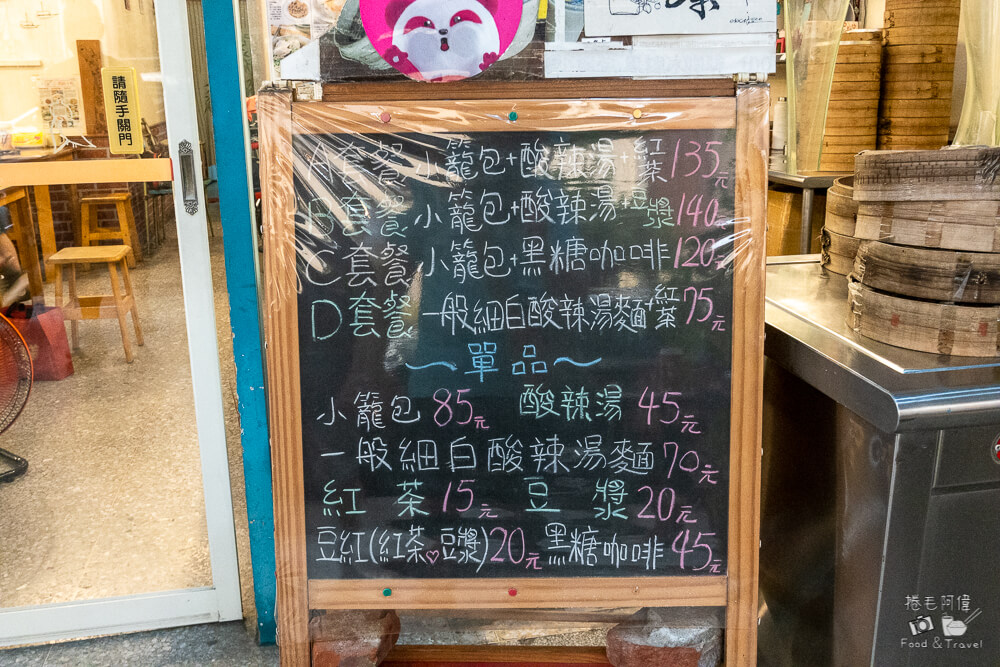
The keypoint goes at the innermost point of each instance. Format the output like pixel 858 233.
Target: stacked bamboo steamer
pixel 927 274
pixel 918 67
pixel 839 243
pixel 852 115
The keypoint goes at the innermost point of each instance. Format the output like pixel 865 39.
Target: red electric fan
pixel 15 385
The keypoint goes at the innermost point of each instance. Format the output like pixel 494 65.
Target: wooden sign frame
pixel 280 117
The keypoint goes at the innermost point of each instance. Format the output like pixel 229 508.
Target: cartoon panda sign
pixel 441 40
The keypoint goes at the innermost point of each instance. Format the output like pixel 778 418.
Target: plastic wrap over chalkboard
pixel 517 325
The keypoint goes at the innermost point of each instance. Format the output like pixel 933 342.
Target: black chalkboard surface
pixel 515 352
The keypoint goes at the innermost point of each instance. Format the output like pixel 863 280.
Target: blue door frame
pixel 236 206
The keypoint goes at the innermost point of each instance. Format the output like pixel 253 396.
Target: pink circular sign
pixel 441 40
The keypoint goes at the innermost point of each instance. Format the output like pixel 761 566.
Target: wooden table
pixel 43 200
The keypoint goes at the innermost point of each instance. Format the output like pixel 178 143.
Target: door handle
pixel 189 183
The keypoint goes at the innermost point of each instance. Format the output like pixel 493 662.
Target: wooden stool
pixel 98 307
pixel 90 231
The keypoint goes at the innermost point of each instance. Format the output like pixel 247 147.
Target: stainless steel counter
pixel 880 491
pixel 893 388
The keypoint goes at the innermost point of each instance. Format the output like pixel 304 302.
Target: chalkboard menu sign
pixel 518 351
pixel 507 348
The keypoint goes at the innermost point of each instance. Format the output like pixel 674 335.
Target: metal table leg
pixel 805 239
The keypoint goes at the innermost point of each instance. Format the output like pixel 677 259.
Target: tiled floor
pixel 112 501
pixel 222 644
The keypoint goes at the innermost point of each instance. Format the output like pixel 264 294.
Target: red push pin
pixel 385 117
pixel 512 592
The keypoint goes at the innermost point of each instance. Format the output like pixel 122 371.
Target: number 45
pixel 681 547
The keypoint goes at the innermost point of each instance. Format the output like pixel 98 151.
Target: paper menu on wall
pixel 59 103
pixel 677 17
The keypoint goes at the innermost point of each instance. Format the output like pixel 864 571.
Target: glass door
pixel 123 518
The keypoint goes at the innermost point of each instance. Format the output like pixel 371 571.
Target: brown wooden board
pixel 483 656
pixel 938 275
pixel 294 264
pixel 926 326
pixel 551 89
pixel 88 53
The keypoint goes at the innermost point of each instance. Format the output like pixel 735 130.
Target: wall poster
pixel 59 101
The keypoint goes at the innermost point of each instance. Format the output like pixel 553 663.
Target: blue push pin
pixel 512 116
pixel 386 592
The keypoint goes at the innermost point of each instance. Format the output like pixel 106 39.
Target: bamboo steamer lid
pixel 916 108
pixel 863 134
pixel 862 35
pixel 840 197
pixel 894 5
pixel 844 142
pixel 927 326
pixel 922 273
pixel 857 72
pixel 841 209
pixel 838 251
pixel 912 143
pixel 954 174
pixel 863 121
pixel 872 48
pixel 920 72
pixel 916 90
pixel 855 88
pixel 857 58
pixel 840 224
pixel 931 34
pixel 851 105
pixel 929 15
pixel 921 232
pixel 889 127
pixel 859 52
pixel 836 161
pixel 919 53
pixel 983 213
